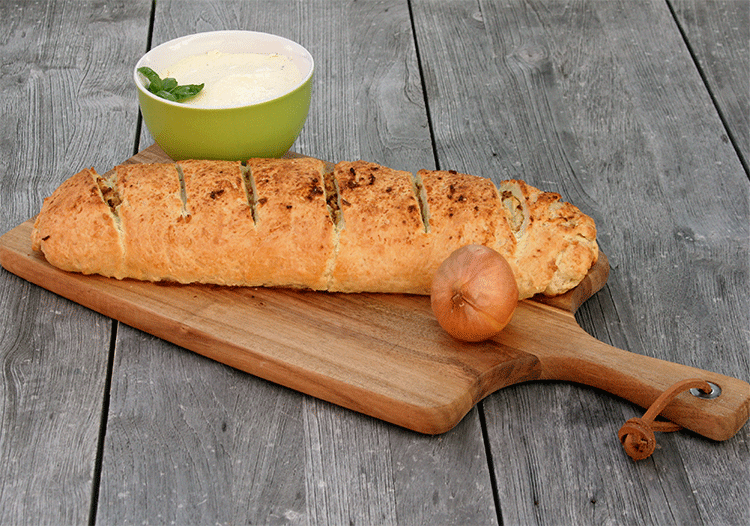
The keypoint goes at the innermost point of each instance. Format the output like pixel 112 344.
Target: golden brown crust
pixel 292 223
pixel 463 209
pixel 218 223
pixel 150 213
pixel 382 244
pixel 296 234
pixel 94 245
pixel 556 243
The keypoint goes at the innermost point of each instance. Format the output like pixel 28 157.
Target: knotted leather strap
pixel 637 434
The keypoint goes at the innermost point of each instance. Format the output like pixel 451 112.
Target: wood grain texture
pixel 718 33
pixel 368 100
pixel 367 103
pixel 380 354
pixel 54 369
pixel 64 99
pixel 384 355
pixel 601 100
pixel 197 451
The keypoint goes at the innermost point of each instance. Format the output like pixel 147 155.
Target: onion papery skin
pixel 474 293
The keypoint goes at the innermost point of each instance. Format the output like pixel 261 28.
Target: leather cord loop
pixel 637 434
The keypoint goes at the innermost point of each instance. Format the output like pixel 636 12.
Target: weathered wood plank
pixel 369 105
pixel 183 449
pixel 601 101
pixel 718 33
pixel 302 460
pixel 65 100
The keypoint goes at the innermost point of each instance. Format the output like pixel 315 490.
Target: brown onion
pixel 474 293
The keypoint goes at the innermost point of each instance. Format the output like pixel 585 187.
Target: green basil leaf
pixel 168 84
pixel 168 87
pixel 187 91
pixel 166 95
pixel 154 81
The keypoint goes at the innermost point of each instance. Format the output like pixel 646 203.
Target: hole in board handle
pixel 713 393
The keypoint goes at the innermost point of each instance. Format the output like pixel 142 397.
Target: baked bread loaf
pixel 353 227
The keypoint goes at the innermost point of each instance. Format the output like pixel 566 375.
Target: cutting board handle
pixel 642 379
pixel 566 352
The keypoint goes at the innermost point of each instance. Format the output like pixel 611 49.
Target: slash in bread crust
pixel 77 230
pixel 461 207
pixel 151 213
pixel 217 223
pixel 295 232
pixel 361 227
pixel 555 242
pixel 383 243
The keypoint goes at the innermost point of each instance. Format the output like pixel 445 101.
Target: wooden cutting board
pixel 384 354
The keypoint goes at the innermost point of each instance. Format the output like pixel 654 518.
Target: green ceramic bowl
pixel 262 129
